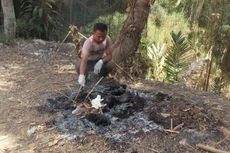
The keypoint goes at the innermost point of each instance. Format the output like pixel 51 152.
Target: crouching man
pixel 96 54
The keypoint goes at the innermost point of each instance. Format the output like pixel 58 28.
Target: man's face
pixel 99 36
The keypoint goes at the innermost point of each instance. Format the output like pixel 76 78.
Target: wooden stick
pixel 208 74
pixel 63 41
pixel 57 50
pixel 82 35
pixel 211 149
pixel 79 90
pixel 123 70
pixel 93 88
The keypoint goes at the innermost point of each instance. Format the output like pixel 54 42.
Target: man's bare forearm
pixel 83 65
pixel 107 58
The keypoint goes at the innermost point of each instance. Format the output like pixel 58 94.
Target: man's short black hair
pixel 101 27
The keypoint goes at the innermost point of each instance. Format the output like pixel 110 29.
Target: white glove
pixel 81 80
pixel 98 66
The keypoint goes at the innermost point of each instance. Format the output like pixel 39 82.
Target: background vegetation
pixel 184 41
pixel 192 53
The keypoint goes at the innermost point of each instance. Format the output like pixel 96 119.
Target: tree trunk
pixel 130 34
pixel 199 10
pixel 225 61
pixel 196 10
pixel 9 18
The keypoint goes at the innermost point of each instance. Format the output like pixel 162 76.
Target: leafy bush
pixel 156 54
pixel 175 60
pixel 113 21
pixel 38 19
pixel 6 40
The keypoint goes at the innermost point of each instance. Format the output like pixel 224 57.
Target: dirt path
pixel 29 76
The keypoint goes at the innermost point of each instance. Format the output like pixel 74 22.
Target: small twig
pixel 226 133
pixel 93 88
pixel 209 67
pixel 198 82
pixel 185 143
pixel 171 131
pixel 171 123
pixel 65 96
pixel 211 149
pixel 178 126
pixel 55 142
pixel 151 149
pixel 185 110
pixel 165 115
pixel 226 138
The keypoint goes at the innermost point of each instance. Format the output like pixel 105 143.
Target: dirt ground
pixel 33 71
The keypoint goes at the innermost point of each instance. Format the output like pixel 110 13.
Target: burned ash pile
pixel 122 117
pixel 127 113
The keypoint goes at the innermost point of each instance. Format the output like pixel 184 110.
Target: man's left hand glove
pixel 81 80
pixel 98 66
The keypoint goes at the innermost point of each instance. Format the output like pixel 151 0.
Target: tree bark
pixel 130 34
pixel 9 18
